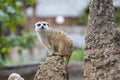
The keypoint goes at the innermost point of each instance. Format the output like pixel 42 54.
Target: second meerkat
pixel 57 42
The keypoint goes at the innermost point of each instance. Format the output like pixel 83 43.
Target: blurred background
pixel 20 50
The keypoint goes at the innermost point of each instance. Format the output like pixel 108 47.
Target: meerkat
pixel 57 42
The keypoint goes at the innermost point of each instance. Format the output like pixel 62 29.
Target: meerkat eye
pixel 44 24
pixel 47 24
pixel 38 24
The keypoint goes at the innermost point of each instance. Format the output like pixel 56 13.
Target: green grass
pixel 77 55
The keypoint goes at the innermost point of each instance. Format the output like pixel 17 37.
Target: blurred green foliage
pixel 26 40
pixel 118 16
pixel 77 55
pixel 83 19
pixel 29 2
pixel 12 16
pixel 11 12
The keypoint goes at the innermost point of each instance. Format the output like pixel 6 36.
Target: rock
pixel 52 69
pixel 15 76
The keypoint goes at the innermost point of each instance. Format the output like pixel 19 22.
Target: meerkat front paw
pixel 58 54
pixel 51 54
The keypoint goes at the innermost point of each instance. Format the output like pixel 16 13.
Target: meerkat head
pixel 40 26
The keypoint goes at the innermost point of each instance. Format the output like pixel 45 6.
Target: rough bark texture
pixel 52 69
pixel 102 50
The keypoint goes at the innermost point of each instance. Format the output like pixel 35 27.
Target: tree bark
pixel 52 69
pixel 102 50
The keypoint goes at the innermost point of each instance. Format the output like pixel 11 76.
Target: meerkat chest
pixel 43 38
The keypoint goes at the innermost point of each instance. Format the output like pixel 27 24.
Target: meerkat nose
pixel 42 27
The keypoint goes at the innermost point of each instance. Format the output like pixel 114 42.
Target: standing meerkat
pixel 57 42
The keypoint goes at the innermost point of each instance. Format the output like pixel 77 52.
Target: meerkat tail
pixel 66 67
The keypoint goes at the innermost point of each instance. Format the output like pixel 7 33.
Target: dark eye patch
pixel 38 24
pixel 44 24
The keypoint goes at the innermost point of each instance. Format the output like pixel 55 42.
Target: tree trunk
pixel 52 69
pixel 102 50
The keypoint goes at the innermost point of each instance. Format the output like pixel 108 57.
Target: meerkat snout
pixel 42 27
